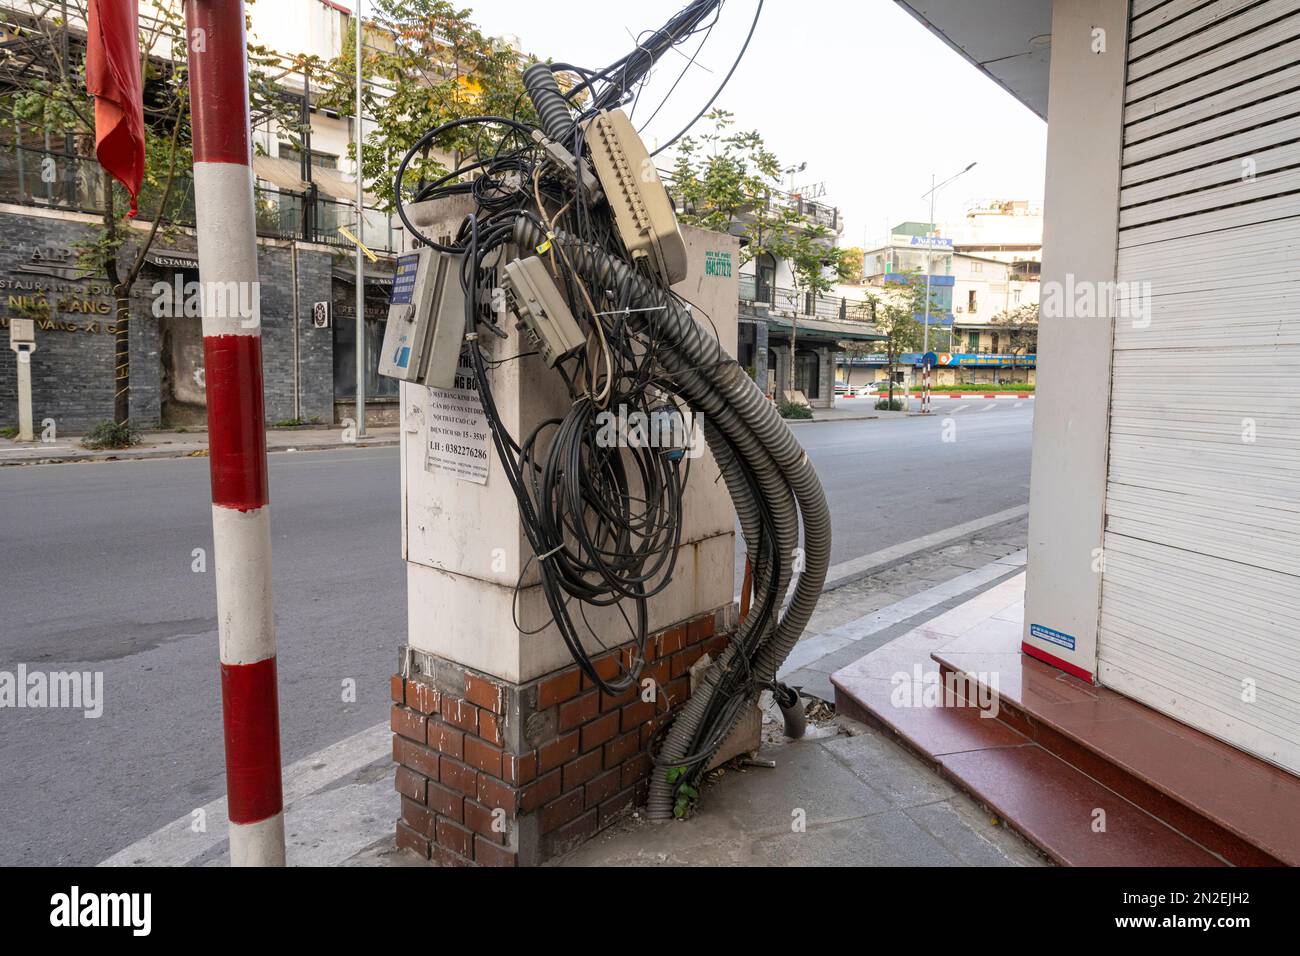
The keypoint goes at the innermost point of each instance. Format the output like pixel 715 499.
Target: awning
pixel 172 259
pixel 349 275
pixel 827 329
pixel 286 174
pixel 1008 40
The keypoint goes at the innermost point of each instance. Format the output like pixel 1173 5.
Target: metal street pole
pixel 929 269
pixel 361 262
pixel 232 351
pixel 929 254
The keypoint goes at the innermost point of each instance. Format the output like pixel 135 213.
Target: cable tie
pixel 471 336
pixel 650 308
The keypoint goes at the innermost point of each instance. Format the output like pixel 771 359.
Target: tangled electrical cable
pixel 603 510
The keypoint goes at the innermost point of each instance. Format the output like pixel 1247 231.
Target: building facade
pixel 778 321
pixel 306 265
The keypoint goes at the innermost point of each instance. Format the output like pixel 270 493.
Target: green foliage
pixel 889 405
pixel 725 179
pixel 685 793
pixel 9 431
pixel 110 435
pixel 1019 328
pixel 1015 387
pixel 431 65
pixel 730 181
pixel 793 410
pixel 855 266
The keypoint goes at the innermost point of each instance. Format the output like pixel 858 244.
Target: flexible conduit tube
pixel 764 450
pixel 552 108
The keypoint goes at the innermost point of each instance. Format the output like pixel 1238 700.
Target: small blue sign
pixel 1051 636
pixel 403 357
pixel 404 281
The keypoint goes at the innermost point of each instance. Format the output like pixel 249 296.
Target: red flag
pixel 113 78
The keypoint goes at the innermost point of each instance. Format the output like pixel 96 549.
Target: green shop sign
pixel 717 264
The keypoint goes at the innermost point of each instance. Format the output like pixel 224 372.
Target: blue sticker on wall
pixel 1051 636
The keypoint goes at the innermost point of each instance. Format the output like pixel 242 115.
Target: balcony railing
pixel 31 176
pixel 814 212
pixel 791 302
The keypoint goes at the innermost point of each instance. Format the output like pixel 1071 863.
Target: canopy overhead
pixel 1007 40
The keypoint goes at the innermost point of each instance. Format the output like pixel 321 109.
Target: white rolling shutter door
pixel 1201 586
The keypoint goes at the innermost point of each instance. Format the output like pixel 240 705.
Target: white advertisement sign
pixel 458 435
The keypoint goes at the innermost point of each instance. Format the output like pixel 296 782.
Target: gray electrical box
pixel 542 311
pixel 426 320
pixel 642 210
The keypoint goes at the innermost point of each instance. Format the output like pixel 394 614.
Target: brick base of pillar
pixel 499 774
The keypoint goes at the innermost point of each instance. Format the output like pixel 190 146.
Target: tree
pixel 817 264
pixel 1021 326
pixel 855 258
pixel 731 182
pixel 55 98
pixel 428 64
pixel 893 311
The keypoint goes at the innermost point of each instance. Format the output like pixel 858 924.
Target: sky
pixel 858 89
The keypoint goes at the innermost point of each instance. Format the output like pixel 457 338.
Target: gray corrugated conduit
pixel 770 480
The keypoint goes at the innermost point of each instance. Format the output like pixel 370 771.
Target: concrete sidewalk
pixel 190 444
pixel 843 795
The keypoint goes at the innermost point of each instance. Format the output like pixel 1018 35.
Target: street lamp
pixel 929 251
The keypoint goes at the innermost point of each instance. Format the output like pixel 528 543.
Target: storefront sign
pixel 172 260
pixel 57 261
pixel 51 288
pixel 930 242
pixel 953 359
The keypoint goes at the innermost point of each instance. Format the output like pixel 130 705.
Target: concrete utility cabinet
pixel 22 340
pixel 507 755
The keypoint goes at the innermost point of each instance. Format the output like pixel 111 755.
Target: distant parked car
pixel 845 390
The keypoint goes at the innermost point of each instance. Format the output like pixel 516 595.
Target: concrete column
pixel 760 354
pixel 1067 496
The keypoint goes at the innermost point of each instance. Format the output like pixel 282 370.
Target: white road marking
pixel 176 844
pixel 988 406
pixel 1018 404
pixel 960 407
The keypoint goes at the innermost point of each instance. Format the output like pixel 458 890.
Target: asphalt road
pixel 96 565
pixel 892 481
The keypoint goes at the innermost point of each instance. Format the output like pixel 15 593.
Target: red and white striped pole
pixel 232 348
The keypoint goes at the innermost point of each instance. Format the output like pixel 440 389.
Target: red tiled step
pixel 1051 803
pixel 1237 806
